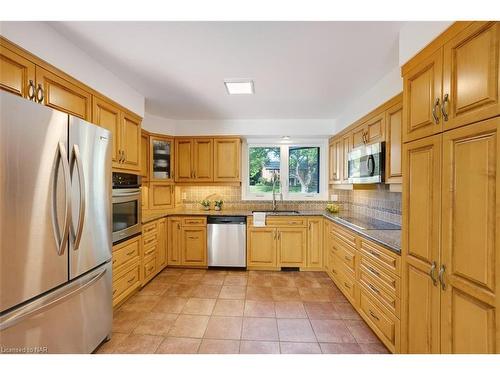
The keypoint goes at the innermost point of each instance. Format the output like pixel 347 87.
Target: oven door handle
pixel 126 194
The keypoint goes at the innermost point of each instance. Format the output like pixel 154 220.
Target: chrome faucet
pixel 274 180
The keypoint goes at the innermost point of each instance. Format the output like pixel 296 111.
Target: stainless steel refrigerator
pixel 55 230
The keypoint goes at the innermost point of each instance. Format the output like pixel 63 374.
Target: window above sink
pixel 296 168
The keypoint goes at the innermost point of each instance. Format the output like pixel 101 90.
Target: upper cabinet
pixel 145 156
pixel 161 153
pixel 453 85
pixel 207 160
pixel 227 159
pixel 383 124
pixel 60 94
pixel 125 128
pixel 17 74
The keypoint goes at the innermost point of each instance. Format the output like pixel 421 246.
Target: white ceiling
pixel 300 69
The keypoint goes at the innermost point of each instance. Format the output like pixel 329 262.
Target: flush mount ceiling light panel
pixel 239 86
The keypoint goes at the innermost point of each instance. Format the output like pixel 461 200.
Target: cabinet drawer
pixel 346 254
pixel 387 280
pixel 386 326
pixel 126 283
pixel 348 286
pixel 389 300
pixel 194 221
pixel 149 267
pixel 149 228
pixel 286 221
pixel 124 254
pixel 381 256
pixel 150 249
pixel 150 239
pixel 344 235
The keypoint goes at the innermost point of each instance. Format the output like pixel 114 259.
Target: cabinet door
pixel 161 256
pixel 346 148
pixel 63 95
pixel 421 245
pixel 183 162
pixel 422 98
pixel 315 243
pixel 375 129
pixel 16 73
pixel 292 244
pixel 131 142
pixel 161 154
pixel 261 247
pixel 144 156
pixel 227 160
pixel 203 159
pixel 471 75
pixel 161 196
pixel 358 136
pixel 145 196
pixel 107 116
pixel 194 246
pixel 470 253
pixel 335 152
pixel 174 241
pixel 394 121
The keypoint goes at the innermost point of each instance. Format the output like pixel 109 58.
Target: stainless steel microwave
pixel 366 164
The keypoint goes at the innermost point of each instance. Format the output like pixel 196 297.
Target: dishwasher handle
pixel 226 220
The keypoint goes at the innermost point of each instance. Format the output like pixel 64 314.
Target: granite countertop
pixel 390 237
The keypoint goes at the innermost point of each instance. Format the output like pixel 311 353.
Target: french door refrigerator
pixel 55 230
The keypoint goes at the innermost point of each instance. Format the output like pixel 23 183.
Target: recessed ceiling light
pixel 238 87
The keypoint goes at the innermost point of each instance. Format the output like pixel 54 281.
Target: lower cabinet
pixel 126 269
pixel 187 245
pixel 261 248
pixel 314 255
pixel 291 245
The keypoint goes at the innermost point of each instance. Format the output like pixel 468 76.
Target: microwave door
pixel 34 200
pixel 90 166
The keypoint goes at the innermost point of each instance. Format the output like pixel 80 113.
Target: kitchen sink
pixel 279 212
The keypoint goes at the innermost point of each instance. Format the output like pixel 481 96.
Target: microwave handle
pixel 370 165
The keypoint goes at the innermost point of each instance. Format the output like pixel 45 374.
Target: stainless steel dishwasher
pixel 227 245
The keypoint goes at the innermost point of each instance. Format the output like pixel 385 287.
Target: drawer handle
pixel 114 261
pixel 149 241
pixel 114 291
pixel 334 272
pixel 130 253
pixel 373 315
pixel 150 251
pixel 150 268
pixel 372 270
pixel 347 286
pixel 348 258
pixel 373 288
pixel 131 280
pixel 374 253
pixel 192 238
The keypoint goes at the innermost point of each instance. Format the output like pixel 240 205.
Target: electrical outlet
pixel 334 197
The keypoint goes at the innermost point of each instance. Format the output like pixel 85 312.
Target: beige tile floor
pixel 209 311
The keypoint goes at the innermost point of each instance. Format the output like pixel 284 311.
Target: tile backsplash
pixel 380 203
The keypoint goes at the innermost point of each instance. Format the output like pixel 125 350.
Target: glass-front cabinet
pixel 161 156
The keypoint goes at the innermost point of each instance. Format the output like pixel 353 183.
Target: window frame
pixel 284 146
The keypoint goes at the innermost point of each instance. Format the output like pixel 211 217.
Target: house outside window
pixel 297 170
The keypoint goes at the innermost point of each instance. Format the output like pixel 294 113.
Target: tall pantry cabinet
pixel 451 202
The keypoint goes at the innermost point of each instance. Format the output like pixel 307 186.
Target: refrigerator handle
pixel 61 158
pixel 76 159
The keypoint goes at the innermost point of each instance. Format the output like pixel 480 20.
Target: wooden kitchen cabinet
pixel 261 248
pixel 161 158
pixel 161 196
pixel 174 241
pixel 145 156
pixel 126 269
pixel 371 131
pixel 358 136
pixel 335 161
pixel 161 256
pixel 63 95
pixel 17 74
pixel 107 115
pixel 421 245
pixel 227 159
pixel 314 258
pixel 394 142
pixel 125 129
pixel 470 261
pixel 203 165
pixel 183 160
pixel 346 148
pixel 194 246
pixel 471 75
pixel 292 247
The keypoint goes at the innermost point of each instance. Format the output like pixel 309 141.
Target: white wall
pixel 157 124
pixel 390 85
pixel 43 41
pixel 271 127
pixel 414 36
